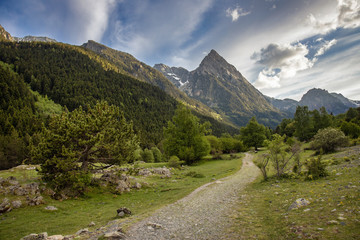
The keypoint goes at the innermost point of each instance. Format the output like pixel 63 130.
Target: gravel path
pixel 204 214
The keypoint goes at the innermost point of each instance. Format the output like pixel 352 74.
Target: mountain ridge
pixel 315 98
pixel 127 64
pixel 219 85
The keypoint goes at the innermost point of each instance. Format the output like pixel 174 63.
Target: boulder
pixel 109 178
pixel 121 212
pixel 51 208
pixel 300 202
pixel 37 200
pixel 91 224
pixel 5 206
pixel 12 180
pixel 34 236
pixel 144 172
pixel 115 235
pixel 137 185
pixel 2 181
pixel 32 188
pixel 16 204
pixel 56 237
pixel 162 171
pixel 122 186
pixel 82 231
pixel 19 191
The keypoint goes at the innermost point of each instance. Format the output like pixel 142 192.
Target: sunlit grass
pixel 263 212
pixel 100 206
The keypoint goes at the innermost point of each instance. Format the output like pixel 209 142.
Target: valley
pixel 96 144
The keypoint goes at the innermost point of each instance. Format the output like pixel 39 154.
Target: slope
pixel 128 65
pixel 218 84
pixel 72 79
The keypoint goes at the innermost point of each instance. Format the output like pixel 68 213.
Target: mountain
pixel 129 65
pixel 315 98
pixel 218 84
pixel 287 105
pixel 333 102
pixel 4 35
pixel 34 39
pixel 177 75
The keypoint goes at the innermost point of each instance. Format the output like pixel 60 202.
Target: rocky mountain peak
pixel 94 46
pixel 4 35
pixel 216 65
pixel 34 39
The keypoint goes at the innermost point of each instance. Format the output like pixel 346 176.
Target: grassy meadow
pixel 99 205
pixel 334 209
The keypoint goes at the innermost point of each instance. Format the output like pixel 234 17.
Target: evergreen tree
pixel 303 124
pixel 185 137
pixel 157 154
pixel 74 141
pixel 253 134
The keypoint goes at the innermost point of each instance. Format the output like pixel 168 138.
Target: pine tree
pixel 75 141
pixel 185 137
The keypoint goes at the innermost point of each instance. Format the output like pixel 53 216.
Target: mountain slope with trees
pixel 72 79
pixel 218 84
pixel 129 65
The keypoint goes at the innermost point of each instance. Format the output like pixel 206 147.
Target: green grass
pixel 100 206
pixel 263 210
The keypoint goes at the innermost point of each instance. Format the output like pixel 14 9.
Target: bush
pixel 157 154
pixel 328 139
pixel 138 155
pixel 147 156
pixel 174 162
pixel 316 168
pixel 195 174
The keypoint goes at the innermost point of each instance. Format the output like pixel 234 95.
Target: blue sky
pixel 283 47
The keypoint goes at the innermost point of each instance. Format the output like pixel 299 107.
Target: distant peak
pixel 213 62
pixel 4 35
pixel 94 46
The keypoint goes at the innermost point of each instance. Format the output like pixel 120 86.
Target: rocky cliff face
pixel 4 35
pixel 219 85
pixel 34 39
pixel 177 75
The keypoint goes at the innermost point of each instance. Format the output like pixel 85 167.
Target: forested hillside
pixel 70 78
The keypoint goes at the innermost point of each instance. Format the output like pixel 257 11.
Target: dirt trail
pixel 203 214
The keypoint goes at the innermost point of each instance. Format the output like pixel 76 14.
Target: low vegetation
pixel 99 205
pixel 334 209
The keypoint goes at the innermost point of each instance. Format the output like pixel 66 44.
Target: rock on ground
pixel 204 214
pixel 300 202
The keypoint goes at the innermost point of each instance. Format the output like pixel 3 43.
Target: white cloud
pixel 236 13
pixel 347 16
pixel 288 59
pixel 267 79
pixel 90 18
pixel 336 73
pixel 349 13
pixel 327 45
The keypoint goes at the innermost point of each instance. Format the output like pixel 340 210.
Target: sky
pixel 283 47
